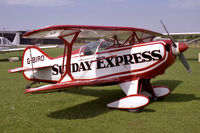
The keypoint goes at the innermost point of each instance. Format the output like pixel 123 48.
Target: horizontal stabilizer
pixel 34 58
pixel 64 85
pixel 18 69
pixel 21 69
pixel 130 102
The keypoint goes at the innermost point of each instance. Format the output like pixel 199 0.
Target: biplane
pixel 126 56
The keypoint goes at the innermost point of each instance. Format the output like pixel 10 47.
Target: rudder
pixel 16 40
pixel 38 64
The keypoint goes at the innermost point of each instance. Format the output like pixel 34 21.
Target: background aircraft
pixel 8 46
pixel 187 37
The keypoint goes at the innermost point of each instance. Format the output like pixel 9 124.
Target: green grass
pixel 83 109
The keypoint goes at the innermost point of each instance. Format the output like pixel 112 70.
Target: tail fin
pixel 33 58
pixel 16 40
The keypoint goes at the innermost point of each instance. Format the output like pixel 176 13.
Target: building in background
pixel 190 38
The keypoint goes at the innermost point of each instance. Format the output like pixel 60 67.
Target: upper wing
pixel 90 32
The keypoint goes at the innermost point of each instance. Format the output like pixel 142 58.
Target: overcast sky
pixel 178 15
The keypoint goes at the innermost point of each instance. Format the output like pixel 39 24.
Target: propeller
pixel 176 51
pixel 184 62
pixel 173 43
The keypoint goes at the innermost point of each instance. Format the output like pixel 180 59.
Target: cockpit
pixel 96 46
pixel 115 42
pixel 4 41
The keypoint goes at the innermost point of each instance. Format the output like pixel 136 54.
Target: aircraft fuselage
pixel 145 60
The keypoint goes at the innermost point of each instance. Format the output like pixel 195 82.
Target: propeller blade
pixel 181 56
pixel 174 44
pixel 184 62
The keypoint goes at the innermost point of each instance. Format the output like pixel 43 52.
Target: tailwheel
pixel 29 85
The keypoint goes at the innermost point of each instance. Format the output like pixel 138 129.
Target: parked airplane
pixel 188 37
pixel 8 46
pixel 126 56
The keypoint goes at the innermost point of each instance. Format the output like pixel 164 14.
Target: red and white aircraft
pixel 125 56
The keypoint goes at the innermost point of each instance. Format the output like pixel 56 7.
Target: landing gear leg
pixel 141 86
pixel 29 85
pixel 156 92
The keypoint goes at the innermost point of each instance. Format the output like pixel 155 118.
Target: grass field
pixel 83 109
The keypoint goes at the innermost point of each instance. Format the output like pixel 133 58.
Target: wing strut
pixel 63 62
pixel 32 64
pixel 69 41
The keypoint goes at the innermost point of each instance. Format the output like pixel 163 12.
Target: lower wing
pixel 76 83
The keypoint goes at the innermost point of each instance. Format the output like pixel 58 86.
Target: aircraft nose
pixel 182 47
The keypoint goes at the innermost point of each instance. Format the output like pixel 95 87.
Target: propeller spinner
pixel 178 49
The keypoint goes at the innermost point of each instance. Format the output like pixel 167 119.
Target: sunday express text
pixel 126 59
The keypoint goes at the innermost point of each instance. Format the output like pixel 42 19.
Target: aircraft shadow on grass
pixel 192 59
pixel 96 107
